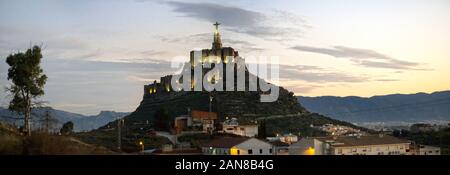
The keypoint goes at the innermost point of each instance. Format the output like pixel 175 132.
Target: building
pixel 232 126
pixel 286 138
pixel 217 54
pixel 237 146
pixel 205 119
pixel 281 148
pixel 428 150
pixel 195 119
pixel 181 123
pixel 354 145
pixel 337 130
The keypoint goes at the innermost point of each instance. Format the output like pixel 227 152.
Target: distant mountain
pixel 81 122
pixel 413 108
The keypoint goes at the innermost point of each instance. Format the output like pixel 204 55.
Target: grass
pixel 12 142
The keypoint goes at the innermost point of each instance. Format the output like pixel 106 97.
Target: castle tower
pixel 217 44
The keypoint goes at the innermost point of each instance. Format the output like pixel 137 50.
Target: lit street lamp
pixel 141 144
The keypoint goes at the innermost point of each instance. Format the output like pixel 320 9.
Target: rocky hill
pixel 244 105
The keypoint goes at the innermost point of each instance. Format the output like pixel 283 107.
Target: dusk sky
pixel 99 54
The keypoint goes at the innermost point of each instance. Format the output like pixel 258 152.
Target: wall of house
pixel 429 150
pixel 388 149
pixel 256 146
pixel 215 151
pixel 302 146
pixel 245 130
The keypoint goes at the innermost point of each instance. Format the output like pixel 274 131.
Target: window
pixel 238 152
pixel 340 151
pixel 270 150
pixel 242 129
pixel 260 151
pixel 250 151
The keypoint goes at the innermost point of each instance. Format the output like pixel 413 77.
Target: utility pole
pixel 210 101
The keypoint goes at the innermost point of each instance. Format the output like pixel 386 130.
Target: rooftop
pixel 225 142
pixel 203 115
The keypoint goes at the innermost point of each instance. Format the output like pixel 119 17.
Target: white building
pixel 428 150
pixel 286 138
pixel 237 146
pixel 357 145
pixel 232 127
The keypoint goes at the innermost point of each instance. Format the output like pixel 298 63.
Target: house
pixel 237 146
pixel 205 119
pixel 232 126
pixel 286 138
pixel 168 149
pixel 196 119
pixel 351 145
pixel 281 148
pixel 428 150
pixel 181 123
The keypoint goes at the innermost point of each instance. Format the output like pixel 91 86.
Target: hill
pixel 396 108
pixel 244 105
pixel 12 142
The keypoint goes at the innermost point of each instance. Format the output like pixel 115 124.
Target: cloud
pixel 363 57
pixel 153 53
pixel 202 38
pixel 387 80
pixel 318 75
pixel 280 25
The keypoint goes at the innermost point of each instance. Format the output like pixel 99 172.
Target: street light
pixel 210 100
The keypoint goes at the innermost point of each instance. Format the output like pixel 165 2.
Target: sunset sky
pixel 99 54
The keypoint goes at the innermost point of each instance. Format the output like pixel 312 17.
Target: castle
pixel 215 55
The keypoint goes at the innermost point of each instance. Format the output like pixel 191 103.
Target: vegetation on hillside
pixel 42 143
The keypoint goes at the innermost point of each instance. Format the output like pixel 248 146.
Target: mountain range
pixel 81 122
pixel 395 108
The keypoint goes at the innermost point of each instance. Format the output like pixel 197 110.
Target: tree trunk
pixel 27 122
pixel 27 125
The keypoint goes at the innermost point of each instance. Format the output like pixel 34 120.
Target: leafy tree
pixel 162 119
pixel 67 128
pixel 28 82
pixel 262 132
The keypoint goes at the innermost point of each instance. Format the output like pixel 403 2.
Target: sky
pixel 98 54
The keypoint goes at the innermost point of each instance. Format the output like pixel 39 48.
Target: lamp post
pixel 141 144
pixel 210 101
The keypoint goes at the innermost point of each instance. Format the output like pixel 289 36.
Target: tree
pixel 262 132
pixel 28 82
pixel 67 128
pixel 162 119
